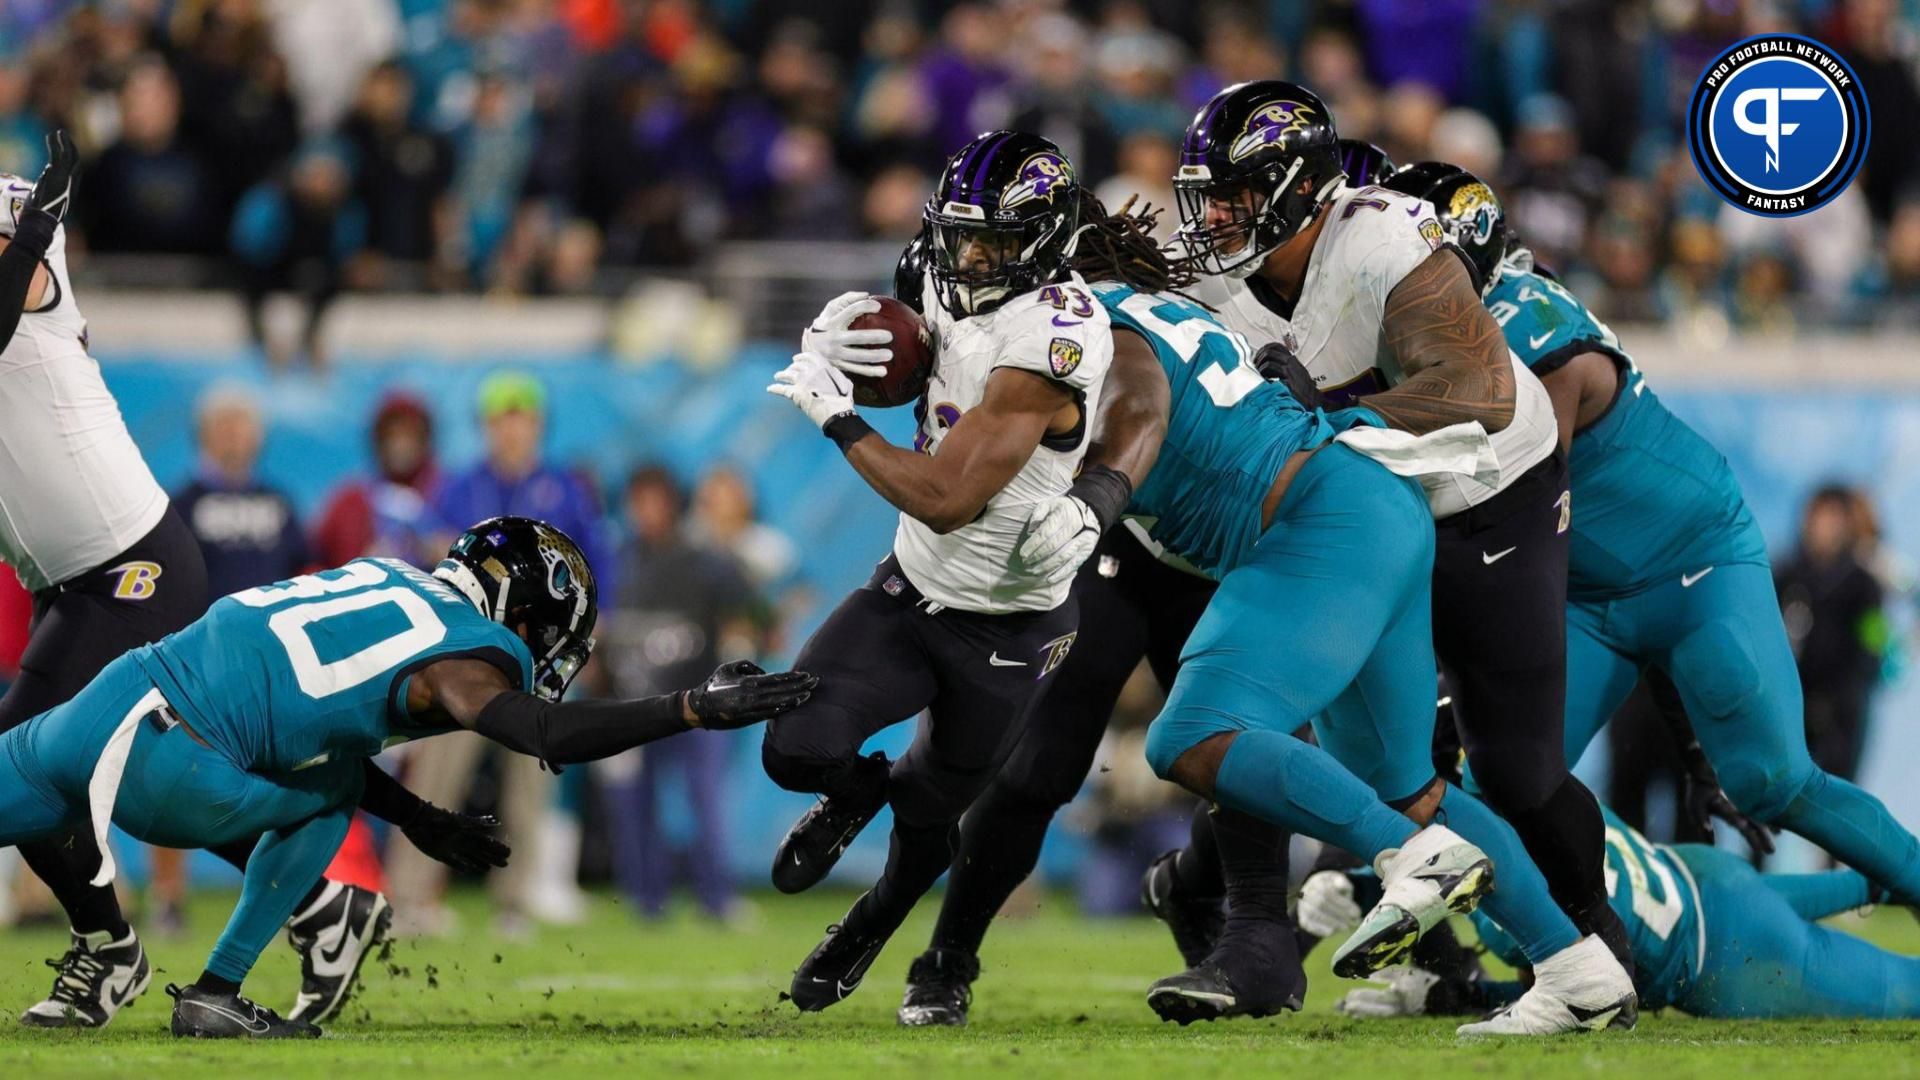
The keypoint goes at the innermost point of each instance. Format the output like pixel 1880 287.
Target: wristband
pixel 34 233
pixel 846 429
pixel 1105 491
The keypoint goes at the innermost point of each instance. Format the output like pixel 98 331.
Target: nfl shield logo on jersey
pixel 1063 355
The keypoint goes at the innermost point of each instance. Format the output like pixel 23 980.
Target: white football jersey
pixel 1374 238
pixel 74 490
pixel 1059 332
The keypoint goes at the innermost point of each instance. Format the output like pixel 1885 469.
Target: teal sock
pixel 1857 829
pixel 1520 902
pixel 283 868
pixel 1300 787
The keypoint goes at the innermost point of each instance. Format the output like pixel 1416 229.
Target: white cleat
pixel 1580 988
pixel 1435 875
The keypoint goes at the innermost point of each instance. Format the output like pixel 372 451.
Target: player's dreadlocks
pixel 1120 247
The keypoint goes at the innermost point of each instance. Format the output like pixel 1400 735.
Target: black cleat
pixel 333 936
pixel 97 977
pixel 1196 921
pixel 203 1014
pixel 834 968
pixel 939 989
pixel 1253 971
pixel 819 838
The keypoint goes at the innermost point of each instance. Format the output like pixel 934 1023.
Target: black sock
pixel 999 846
pixel 1253 863
pixel 214 984
pixel 916 857
pixel 67 863
pixel 1566 838
pixel 1197 867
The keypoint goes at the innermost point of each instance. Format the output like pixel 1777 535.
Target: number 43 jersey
pixel 303 671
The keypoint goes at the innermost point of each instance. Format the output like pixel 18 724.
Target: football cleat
pixel 1435 875
pixel 815 843
pixel 333 936
pixel 1579 988
pixel 204 1014
pixel 834 968
pixel 97 978
pixel 1195 921
pixel 939 989
pixel 1253 971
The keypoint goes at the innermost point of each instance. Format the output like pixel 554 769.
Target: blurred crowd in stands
pixel 559 146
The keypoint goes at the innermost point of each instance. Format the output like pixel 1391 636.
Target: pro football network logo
pixel 1778 125
pixel 1267 125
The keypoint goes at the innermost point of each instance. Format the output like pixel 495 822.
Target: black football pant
pixel 1499 632
pixel 884 655
pixel 148 591
pixel 1132 606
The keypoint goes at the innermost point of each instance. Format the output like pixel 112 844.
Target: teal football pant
pixel 1767 957
pixel 1329 620
pixel 178 792
pixel 1717 633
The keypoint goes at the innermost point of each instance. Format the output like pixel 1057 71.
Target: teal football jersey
pixel 1653 892
pixel 1228 430
pixel 303 671
pixel 1652 500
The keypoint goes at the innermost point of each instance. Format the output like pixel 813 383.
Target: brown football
pixel 912 364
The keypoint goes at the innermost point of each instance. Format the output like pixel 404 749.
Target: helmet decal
pixel 1472 207
pixel 1266 126
pixel 1041 175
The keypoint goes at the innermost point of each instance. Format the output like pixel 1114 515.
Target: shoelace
pixel 79 970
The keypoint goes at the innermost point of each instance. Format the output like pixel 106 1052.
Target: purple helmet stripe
pixel 986 159
pixel 1190 154
pixel 960 174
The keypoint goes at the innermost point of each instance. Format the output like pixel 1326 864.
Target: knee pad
pixel 1764 789
pixel 1717 666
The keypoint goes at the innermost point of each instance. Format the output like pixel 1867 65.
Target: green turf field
pixel 1061 996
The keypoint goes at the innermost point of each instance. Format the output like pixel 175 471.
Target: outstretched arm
pixel 1455 359
pixel 476 696
pixel 23 273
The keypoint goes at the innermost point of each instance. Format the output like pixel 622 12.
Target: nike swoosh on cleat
pixel 253 1024
pixel 1586 1016
pixel 345 938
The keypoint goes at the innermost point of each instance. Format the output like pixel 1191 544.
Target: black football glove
pixel 740 693
pixel 462 841
pixel 1700 793
pixel 51 198
pixel 1277 363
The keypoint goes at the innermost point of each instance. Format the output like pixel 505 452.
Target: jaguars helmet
pixel 1000 221
pixel 910 274
pixel 1365 163
pixel 1267 149
pixel 1469 212
pixel 518 571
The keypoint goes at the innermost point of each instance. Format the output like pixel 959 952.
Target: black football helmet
pixel 1364 163
pixel 1269 150
pixel 519 571
pixel 910 274
pixel 1001 221
pixel 1469 212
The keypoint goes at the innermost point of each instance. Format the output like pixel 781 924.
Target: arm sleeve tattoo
pixel 1451 350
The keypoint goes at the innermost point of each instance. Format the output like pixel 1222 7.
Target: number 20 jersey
pixel 307 670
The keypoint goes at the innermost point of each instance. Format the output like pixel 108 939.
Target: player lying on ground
pixel 261 718
pixel 1667 568
pixel 1711 937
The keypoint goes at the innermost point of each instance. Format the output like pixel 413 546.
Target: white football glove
pixel 832 338
pixel 820 392
pixel 1405 995
pixel 1061 533
pixel 1327 908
